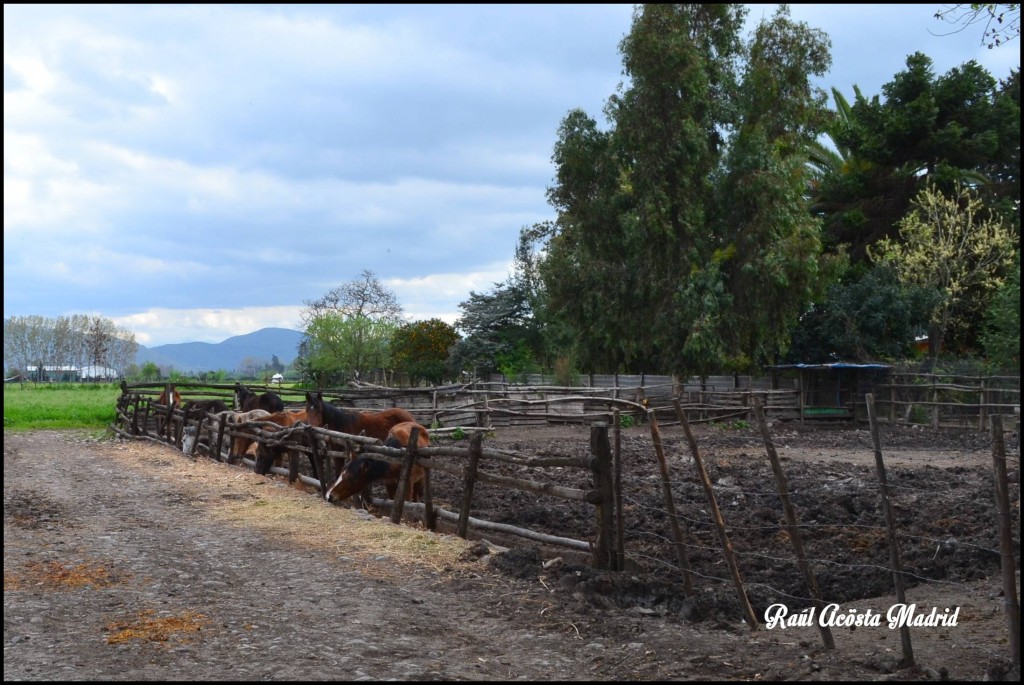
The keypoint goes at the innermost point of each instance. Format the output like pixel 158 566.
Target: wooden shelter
pixel 829 391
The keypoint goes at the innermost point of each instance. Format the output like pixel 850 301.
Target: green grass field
pixel 59 405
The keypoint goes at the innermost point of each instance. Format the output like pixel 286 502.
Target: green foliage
pixel 565 370
pixel 89 406
pixel 956 247
pixel 626 421
pixel 339 346
pixel 864 318
pixel 421 349
pixel 517 363
pixel 1001 338
pixel 736 424
pixel 459 434
pixel 925 130
pixel 775 268
pixel 499 329
pixel 918 414
pixel 150 372
pixel 664 220
pixel 348 331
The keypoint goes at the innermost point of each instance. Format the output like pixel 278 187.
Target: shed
pixel 830 391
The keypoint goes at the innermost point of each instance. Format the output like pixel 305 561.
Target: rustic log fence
pixel 327 450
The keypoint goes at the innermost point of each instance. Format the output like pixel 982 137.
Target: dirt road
pixel 130 561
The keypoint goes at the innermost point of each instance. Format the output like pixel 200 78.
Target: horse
pixel 247 400
pixel 374 424
pixel 241 444
pixel 170 396
pixel 267 456
pixel 362 472
pixel 197 408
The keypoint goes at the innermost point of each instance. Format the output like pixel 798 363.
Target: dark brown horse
pixel 195 409
pixel 247 400
pixel 362 472
pixel 373 424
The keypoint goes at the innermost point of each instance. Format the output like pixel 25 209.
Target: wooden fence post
pixel 220 437
pixel 1010 601
pixel 429 515
pixel 604 550
pixel 791 524
pixel 890 521
pixel 405 477
pixel 475 447
pixel 137 400
pixel 666 485
pixel 982 410
pixel 316 460
pixel 716 515
pixel 620 526
pixel 199 434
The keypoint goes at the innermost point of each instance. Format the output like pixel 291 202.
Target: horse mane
pixel 248 399
pixel 338 419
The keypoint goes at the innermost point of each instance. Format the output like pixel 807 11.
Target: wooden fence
pixel 140 416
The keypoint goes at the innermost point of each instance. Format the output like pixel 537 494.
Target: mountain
pixel 228 355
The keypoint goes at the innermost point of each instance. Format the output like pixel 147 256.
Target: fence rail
pixel 561 477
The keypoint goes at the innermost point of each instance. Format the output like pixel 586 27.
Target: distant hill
pixel 228 355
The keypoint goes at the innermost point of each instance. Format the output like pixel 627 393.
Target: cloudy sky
pixel 197 172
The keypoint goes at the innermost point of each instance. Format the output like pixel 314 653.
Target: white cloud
pixel 165 326
pixel 192 161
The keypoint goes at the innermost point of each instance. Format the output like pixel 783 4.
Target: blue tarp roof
pixel 836 365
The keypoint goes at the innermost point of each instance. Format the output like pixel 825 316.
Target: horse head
pixel 315 409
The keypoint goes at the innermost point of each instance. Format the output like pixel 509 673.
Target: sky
pixel 195 172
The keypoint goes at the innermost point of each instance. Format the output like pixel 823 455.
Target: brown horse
pixel 247 400
pixel 362 472
pixel 241 444
pixel 273 456
pixel 373 424
pixel 170 396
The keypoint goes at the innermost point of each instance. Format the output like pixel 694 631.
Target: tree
pixel 692 205
pixel 957 128
pixel 1001 337
pixel 150 372
pixel 348 330
pixel 338 348
pixel 76 341
pixel 769 248
pixel 421 349
pixel 867 317
pixel 1002 22
pixel 250 367
pixel 954 246
pixel 275 364
pixel 493 324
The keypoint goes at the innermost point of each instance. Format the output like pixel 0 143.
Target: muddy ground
pixel 127 560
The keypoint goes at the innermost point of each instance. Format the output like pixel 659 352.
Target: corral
pixel 187 536
pixel 718 518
